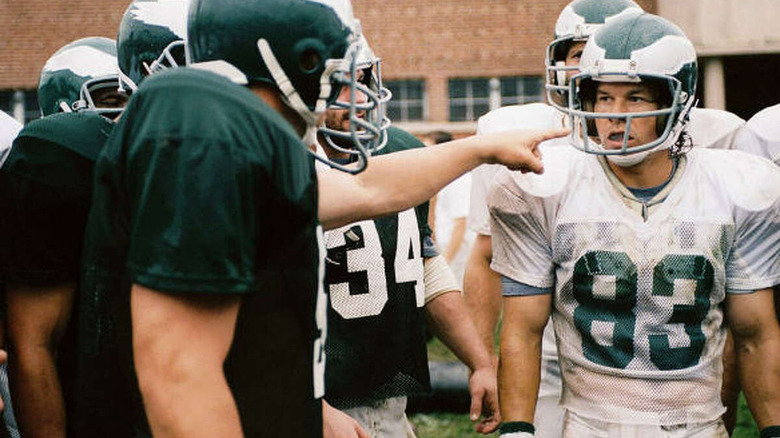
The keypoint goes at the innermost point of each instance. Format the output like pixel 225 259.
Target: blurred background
pixel 446 61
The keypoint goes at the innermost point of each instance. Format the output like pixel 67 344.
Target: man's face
pixel 573 56
pixel 625 97
pixel 338 118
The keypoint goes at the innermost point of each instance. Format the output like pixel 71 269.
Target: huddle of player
pixel 181 267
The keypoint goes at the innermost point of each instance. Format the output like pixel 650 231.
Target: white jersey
pixel 9 128
pixel 761 134
pixel 638 304
pixel 713 128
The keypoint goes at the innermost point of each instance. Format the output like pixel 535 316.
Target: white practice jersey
pixel 761 134
pixel 713 128
pixel 9 128
pixel 638 303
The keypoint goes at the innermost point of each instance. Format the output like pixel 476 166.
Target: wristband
pixel 516 429
pixel 770 432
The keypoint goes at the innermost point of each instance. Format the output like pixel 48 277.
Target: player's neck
pixel 651 172
pixel 272 98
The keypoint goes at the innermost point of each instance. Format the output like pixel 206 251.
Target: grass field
pixel 457 425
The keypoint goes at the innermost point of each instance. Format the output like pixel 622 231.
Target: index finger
pixel 549 135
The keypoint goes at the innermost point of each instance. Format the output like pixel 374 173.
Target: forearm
pixel 521 351
pixel 759 370
pixel 394 182
pixel 449 320
pixel 756 333
pixel 482 291
pixel 456 239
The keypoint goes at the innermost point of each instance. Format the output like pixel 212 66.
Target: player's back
pixel 204 189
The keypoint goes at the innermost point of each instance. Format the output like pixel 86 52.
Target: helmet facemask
pixel 368 121
pixel 172 56
pixel 365 135
pixel 91 92
pixel 671 117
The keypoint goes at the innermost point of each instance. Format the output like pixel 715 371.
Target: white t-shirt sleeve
pixel 521 244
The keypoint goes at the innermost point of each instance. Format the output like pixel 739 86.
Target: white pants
pixel 548 419
pixel 386 419
pixel 576 426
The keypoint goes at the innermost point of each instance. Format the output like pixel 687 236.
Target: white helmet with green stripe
pixel 637 48
pixel 577 22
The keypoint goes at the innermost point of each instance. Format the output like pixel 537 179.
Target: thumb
pixel 476 405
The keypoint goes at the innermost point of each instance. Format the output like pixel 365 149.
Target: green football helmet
pixel 75 74
pixel 577 22
pixel 150 39
pixel 635 48
pixel 364 117
pixel 306 49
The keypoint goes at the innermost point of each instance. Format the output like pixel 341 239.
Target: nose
pixel 618 106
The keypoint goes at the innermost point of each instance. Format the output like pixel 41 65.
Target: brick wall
pixel 434 40
pixel 441 39
pixel 32 30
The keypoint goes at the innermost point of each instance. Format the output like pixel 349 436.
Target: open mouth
pixel 615 139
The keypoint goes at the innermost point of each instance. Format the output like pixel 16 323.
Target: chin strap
pixel 289 94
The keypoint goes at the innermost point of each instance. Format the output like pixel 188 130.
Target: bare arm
pixel 456 239
pixel 756 334
pixel 395 182
pixel 449 320
pixel 521 353
pixel 482 290
pixel 180 343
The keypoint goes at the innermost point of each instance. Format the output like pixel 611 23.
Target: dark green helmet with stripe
pixel 75 73
pixel 577 22
pixel 150 39
pixel 306 49
pixel 642 48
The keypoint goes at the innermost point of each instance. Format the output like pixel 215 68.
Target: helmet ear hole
pixel 310 60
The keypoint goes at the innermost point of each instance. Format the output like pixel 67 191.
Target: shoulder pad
pixel 559 165
pixel 750 181
pixel 713 128
pixel 528 116
pixel 84 133
pixel 766 123
pixel 9 128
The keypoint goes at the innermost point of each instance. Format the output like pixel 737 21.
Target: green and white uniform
pixel 204 189
pixel 374 277
pixel 638 304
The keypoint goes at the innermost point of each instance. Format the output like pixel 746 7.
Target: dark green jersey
pixel 374 277
pixel 204 189
pixel 45 191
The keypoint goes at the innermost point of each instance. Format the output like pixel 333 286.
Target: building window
pixel 472 98
pixel 408 102
pixel 521 89
pixel 469 98
pixel 20 102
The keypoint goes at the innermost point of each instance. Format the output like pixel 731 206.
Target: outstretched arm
pixel 395 182
pixel 756 333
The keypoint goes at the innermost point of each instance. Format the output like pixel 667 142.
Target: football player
pixel 761 135
pixel 46 187
pixel 482 287
pixel 202 250
pixel 82 75
pixel 640 248
pixel 384 278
